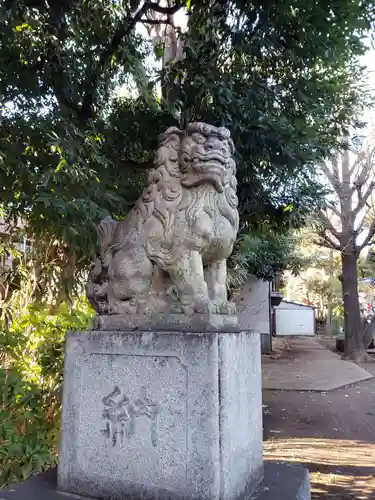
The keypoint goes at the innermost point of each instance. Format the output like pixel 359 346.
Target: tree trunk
pixel 354 345
pixel 329 322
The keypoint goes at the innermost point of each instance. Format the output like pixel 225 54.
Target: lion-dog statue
pixel 169 254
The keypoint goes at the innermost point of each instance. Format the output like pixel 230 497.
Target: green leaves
pixel 32 348
pixel 286 85
pixel 23 27
pixel 159 50
pixel 264 253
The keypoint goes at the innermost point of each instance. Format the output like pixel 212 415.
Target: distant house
pixel 293 319
pixel 261 308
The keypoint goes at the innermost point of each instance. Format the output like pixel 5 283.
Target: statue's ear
pixel 105 230
pixel 169 133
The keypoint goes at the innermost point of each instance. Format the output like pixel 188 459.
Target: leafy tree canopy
pixel 283 75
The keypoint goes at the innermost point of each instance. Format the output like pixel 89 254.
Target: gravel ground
pixel 332 433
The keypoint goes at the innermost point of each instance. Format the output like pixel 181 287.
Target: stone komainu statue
pixel 169 254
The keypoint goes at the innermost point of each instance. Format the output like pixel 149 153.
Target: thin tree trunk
pixel 329 324
pixel 354 346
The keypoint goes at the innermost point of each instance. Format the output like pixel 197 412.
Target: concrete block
pixel 161 415
pixel 340 343
pixel 253 305
pixel 283 482
pixel 265 343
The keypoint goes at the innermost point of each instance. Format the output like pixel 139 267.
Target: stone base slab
pixel 281 482
pixel 168 322
pixel 161 415
pixel 265 343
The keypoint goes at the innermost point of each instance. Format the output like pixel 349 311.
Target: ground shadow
pixel 331 433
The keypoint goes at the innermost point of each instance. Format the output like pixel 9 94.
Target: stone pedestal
pixel 280 482
pixel 161 415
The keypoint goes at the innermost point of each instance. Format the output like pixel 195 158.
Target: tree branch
pixel 125 26
pixel 155 21
pixel 360 225
pixel 362 199
pixel 355 164
pixel 326 241
pixel 332 176
pixel 337 212
pixel 329 226
pixel 54 57
pixel 365 164
pixel 169 11
pixel 369 237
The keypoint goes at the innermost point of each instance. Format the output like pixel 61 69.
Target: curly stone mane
pixel 167 183
pixel 171 189
pixel 164 182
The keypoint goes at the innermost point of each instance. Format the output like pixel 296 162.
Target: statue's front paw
pixel 111 309
pixel 227 308
pixel 102 307
pixel 204 307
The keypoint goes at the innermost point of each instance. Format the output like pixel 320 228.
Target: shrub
pixel 31 367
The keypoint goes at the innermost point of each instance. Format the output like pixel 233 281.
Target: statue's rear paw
pixel 227 308
pixel 205 307
pixel 200 306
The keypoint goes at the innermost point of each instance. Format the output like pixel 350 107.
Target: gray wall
pixel 253 309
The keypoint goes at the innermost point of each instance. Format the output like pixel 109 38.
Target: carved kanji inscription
pixel 120 411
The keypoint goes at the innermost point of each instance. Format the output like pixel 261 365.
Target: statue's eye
pixel 199 139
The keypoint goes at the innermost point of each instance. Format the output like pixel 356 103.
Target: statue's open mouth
pixel 209 157
pixel 203 168
pixel 205 173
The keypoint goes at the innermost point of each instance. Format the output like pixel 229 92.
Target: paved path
pixel 330 433
pixel 302 364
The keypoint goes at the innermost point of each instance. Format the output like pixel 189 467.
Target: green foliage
pixel 329 290
pixel 283 76
pixel 366 264
pixel 265 253
pixel 28 429
pixel 31 364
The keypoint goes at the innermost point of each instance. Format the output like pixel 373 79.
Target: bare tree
pixel 165 35
pixel 348 225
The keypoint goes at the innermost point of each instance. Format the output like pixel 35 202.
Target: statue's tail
pixel 106 230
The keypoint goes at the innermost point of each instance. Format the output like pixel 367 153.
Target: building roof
pixel 297 304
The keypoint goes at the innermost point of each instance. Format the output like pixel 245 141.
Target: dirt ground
pixel 332 433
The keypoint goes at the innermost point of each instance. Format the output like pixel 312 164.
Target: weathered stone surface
pixel 200 323
pixel 165 415
pixel 169 254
